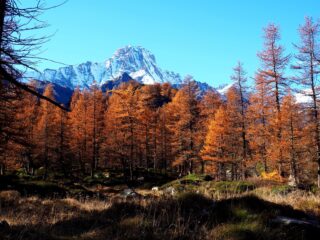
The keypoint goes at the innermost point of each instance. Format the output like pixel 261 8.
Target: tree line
pixel 249 130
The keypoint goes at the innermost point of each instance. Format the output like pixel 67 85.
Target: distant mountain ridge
pixel 128 63
pixel 138 62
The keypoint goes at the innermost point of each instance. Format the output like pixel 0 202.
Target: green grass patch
pixel 232 187
pixel 200 184
pixel 187 182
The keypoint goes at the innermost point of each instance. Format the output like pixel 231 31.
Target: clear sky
pixel 203 38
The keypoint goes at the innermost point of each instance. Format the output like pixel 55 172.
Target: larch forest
pixel 158 161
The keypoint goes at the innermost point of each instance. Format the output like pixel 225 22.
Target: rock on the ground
pixel 129 193
pixel 288 221
pixel 155 189
pixel 170 190
pixel 291 181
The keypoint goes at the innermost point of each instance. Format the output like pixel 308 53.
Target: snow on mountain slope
pixel 137 61
pixel 301 97
pixel 224 89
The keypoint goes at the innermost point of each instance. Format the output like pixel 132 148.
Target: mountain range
pixel 130 62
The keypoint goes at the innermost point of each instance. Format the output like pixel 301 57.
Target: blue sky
pixel 203 38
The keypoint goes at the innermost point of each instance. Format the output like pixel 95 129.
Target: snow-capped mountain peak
pixel 137 61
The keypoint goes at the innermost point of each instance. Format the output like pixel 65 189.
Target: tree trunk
pixel 202 167
pixel 155 143
pixel 2 16
pixel 131 151
pixel 93 161
pixel 279 134
pixel 293 164
pixel 147 146
pixel 315 119
pixel 46 150
pixel 61 153
pixel 2 169
pixel 243 128
pixel 191 166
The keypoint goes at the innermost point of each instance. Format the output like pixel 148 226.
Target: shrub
pixel 274 176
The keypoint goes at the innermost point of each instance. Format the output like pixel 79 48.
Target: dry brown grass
pixel 187 216
pixel 298 199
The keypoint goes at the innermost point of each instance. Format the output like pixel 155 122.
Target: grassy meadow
pixel 192 207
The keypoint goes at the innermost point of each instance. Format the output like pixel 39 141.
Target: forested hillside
pixel 258 127
pixel 126 150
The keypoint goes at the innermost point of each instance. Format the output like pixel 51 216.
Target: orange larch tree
pixel 240 105
pixel 150 101
pixel 292 121
pixel 274 62
pixel 308 69
pixel 222 144
pixel 184 112
pixel 96 108
pixel 47 132
pixel 30 113
pixel 122 126
pixel 79 121
pixel 208 105
pixel 222 150
pixel 13 134
pixel 259 114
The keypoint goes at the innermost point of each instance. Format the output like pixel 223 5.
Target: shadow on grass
pixel 190 216
pixel 32 187
pixel 56 187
